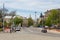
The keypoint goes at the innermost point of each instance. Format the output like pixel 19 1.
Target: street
pixel 38 32
pixel 29 34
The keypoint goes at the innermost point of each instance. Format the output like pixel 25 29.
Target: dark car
pixel 44 30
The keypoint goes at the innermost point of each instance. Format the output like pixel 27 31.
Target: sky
pixel 26 7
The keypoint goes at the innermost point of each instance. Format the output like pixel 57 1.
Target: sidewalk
pixel 53 31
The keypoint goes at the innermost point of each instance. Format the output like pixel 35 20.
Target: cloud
pixel 29 6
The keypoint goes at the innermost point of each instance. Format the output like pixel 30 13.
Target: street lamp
pixel 35 15
pixel 35 18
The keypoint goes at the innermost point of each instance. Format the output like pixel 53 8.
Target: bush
pixel 1 29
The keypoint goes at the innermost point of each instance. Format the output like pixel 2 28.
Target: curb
pixel 52 31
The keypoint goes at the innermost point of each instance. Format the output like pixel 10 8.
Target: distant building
pixel 40 18
pixel 48 12
pixel 7 18
pixel 25 22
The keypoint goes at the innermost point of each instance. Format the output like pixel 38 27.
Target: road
pixel 29 34
pixel 38 32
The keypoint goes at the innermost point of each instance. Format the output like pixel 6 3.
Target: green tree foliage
pixel 0 17
pixel 53 17
pixel 13 13
pixel 17 20
pixel 48 22
pixel 4 12
pixel 0 13
pixel 30 22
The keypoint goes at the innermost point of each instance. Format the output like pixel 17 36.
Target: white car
pixel 18 28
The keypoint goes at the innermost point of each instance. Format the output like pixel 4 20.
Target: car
pixel 44 30
pixel 18 28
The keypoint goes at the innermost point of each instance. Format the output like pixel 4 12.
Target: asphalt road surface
pixel 38 32
pixel 29 34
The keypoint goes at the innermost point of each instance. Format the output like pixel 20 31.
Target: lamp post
pixel 35 18
pixel 3 17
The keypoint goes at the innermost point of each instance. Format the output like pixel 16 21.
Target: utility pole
pixel 35 18
pixel 30 15
pixel 3 16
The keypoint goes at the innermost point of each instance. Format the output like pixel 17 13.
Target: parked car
pixel 18 28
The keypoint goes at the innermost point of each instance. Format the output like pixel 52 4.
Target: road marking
pixel 30 30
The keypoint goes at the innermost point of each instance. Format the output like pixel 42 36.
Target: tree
pixel 53 17
pixel 30 22
pixel 0 17
pixel 13 13
pixel 0 13
pixel 17 20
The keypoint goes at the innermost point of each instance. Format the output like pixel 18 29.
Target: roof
pixel 8 16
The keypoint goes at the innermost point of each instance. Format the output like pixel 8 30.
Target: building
pixel 7 18
pixel 40 18
pixel 25 22
pixel 48 12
